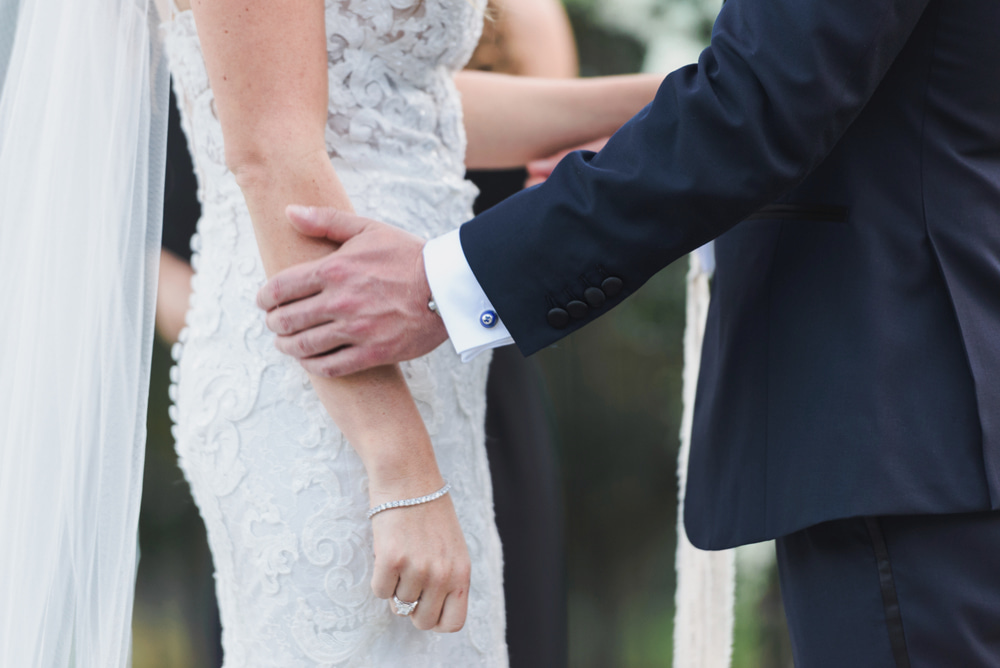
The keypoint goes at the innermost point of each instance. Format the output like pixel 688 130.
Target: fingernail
pixel 299 211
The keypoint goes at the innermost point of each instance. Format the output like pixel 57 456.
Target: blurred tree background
pixel 615 402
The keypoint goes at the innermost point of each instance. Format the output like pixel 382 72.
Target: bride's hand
pixel 420 552
pixel 420 555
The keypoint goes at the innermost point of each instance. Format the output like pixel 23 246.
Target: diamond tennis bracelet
pixel 372 512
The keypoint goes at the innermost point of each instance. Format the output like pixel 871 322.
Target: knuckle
pixel 370 356
pixel 299 346
pixel 302 346
pixel 423 571
pixel 423 623
pixel 354 328
pixel 332 368
pixel 311 366
pixel 328 215
pixel 379 352
pixel 320 308
pixel 342 304
pixel 438 578
pixel 397 563
pixel 379 589
pixel 329 271
pixel 451 626
pixel 275 288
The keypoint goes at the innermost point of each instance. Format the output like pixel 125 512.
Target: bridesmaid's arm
pixel 511 121
pixel 539 38
pixel 267 64
pixel 173 293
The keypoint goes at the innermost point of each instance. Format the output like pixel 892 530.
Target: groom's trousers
pixel 894 592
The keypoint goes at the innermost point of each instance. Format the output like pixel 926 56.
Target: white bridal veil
pixel 82 141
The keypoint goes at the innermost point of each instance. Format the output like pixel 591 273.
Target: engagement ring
pixel 404 609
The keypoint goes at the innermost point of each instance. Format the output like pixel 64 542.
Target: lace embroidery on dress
pixel 282 494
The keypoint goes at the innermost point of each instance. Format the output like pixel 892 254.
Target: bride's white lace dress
pixel 282 494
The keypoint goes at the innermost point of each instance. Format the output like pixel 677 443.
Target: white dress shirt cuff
pixel 472 323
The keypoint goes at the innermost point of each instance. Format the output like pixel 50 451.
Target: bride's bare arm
pixel 267 63
pixel 511 120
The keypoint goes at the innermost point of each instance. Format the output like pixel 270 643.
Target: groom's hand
pixel 363 305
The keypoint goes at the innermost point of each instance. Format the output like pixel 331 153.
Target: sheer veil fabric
pixel 82 141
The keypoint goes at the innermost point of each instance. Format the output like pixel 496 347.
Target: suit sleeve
pixel 768 99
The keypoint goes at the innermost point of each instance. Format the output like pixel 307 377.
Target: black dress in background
pixel 181 209
pixel 527 496
pixel 526 490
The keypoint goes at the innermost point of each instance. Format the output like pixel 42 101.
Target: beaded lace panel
pixel 282 494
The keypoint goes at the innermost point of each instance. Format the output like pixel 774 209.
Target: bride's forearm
pixel 267 63
pixel 510 121
pixel 374 409
pixel 376 412
pixel 272 182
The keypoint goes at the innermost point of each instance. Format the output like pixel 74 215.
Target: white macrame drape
pixel 82 146
pixel 703 618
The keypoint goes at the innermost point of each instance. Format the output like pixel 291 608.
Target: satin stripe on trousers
pixel 894 592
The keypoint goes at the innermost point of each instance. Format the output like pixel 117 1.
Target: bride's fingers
pixel 456 606
pixel 311 342
pixel 428 613
pixel 410 588
pixel 384 579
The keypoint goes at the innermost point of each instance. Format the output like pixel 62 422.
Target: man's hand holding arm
pixel 366 304
pixel 767 102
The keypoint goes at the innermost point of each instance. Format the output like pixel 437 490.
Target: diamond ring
pixel 404 609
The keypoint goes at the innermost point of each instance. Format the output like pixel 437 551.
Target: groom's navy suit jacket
pixel 848 153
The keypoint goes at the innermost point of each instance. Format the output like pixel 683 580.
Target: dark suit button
pixel 611 286
pixel 558 318
pixel 577 309
pixel 595 297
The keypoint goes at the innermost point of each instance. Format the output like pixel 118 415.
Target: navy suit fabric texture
pixel 846 153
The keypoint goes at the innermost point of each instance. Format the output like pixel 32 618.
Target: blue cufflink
pixel 488 319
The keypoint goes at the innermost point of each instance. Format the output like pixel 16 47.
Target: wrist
pixel 399 488
pixel 427 303
pixel 399 465
pixel 409 502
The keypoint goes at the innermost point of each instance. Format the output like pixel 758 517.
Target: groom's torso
pixel 850 354
pixel 854 336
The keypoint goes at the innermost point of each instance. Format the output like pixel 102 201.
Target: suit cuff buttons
pixel 593 297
